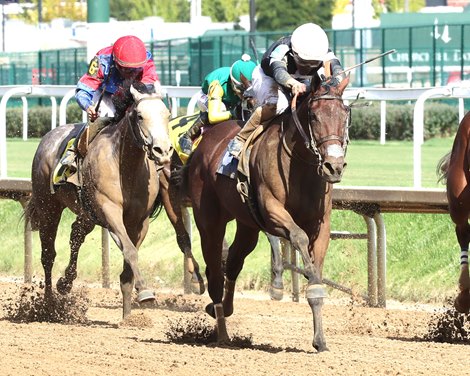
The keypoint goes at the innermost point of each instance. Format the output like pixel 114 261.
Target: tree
pixel 51 9
pixel 225 10
pixel 287 15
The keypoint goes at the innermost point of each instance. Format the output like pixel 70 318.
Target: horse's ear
pixel 135 93
pixel 245 81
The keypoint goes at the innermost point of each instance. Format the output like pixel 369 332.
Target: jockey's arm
pixel 216 109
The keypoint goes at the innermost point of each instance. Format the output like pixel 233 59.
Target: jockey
pixel 126 59
pixel 221 92
pixel 305 52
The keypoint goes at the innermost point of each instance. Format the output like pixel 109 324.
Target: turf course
pixel 421 248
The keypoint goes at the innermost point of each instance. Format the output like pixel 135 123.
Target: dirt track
pixel 274 339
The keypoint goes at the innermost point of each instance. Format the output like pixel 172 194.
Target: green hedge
pixel 440 120
pixel 39 119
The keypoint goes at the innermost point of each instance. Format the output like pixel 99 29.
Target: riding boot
pixel 261 114
pixel 69 159
pixel 186 140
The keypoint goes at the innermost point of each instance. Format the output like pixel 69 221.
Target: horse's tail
pixel 157 207
pixel 442 168
pixel 30 214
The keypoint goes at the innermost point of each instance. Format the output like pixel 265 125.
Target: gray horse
pixel 119 186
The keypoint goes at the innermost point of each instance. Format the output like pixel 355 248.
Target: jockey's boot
pixel 261 114
pixel 69 160
pixel 186 140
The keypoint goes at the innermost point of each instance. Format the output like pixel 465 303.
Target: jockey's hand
pixel 296 87
pixel 92 114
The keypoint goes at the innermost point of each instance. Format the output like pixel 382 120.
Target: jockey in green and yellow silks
pixel 221 92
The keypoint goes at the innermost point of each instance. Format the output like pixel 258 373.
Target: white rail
pixel 174 93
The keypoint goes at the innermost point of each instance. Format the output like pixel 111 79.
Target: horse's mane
pixel 122 99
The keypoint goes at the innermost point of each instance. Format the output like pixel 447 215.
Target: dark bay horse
pixel 292 167
pixel 120 183
pixel 454 168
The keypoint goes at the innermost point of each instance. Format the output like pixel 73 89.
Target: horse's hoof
pixel 276 294
pixel 210 310
pixel 462 302
pixel 321 348
pixel 145 296
pixel 63 286
pixel 197 287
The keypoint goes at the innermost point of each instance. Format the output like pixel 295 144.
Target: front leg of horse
pixel 316 291
pixel 130 274
pixel 462 302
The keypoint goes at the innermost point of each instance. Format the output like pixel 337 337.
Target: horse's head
pixel 247 100
pixel 149 122
pixel 328 120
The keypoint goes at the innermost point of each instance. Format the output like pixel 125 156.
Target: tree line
pixel 270 15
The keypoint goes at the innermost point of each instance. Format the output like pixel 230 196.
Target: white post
pixel 25 118
pixel 54 112
pixel 383 118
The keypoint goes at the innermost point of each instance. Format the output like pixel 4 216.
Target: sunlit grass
pixel 421 248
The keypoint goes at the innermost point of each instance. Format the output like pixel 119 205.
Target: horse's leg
pixel 131 271
pixel 462 302
pixel 48 225
pixel 277 286
pixel 212 237
pixel 80 229
pixel 243 244
pixel 176 214
pixel 287 228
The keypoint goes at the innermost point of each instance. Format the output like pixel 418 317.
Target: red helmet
pixel 130 52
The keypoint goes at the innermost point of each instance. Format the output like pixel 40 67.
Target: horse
pixel 292 166
pixel 120 184
pixel 176 206
pixel 453 168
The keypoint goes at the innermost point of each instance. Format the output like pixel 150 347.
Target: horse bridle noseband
pixel 310 142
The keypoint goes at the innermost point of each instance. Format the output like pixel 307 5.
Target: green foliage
pixel 169 10
pixel 441 120
pixel 52 9
pixel 39 120
pixel 225 10
pixel 287 15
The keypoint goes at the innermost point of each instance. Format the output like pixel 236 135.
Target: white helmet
pixel 310 42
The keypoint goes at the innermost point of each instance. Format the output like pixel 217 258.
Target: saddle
pixel 82 139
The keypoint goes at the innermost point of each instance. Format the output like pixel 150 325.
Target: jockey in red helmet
pixel 126 59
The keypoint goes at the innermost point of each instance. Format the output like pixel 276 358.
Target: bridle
pixel 143 142
pixel 309 141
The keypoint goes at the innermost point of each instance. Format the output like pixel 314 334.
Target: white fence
pixel 66 92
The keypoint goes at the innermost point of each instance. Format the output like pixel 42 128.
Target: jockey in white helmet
pixel 305 52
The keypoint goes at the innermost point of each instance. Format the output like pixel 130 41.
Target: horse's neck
pixel 293 139
pixel 126 144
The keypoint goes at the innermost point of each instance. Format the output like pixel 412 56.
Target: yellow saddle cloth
pixel 177 127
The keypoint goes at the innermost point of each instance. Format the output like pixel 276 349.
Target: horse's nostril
pixel 157 150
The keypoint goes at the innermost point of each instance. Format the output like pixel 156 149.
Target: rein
pixel 309 140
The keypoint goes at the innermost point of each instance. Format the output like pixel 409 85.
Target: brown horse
pixel 120 183
pixel 292 166
pixel 455 169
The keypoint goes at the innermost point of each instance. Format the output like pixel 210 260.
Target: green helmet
pixel 246 66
